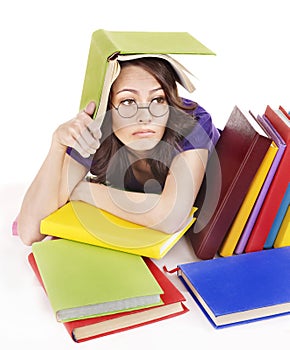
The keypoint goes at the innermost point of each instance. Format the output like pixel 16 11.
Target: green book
pixel 109 47
pixel 84 281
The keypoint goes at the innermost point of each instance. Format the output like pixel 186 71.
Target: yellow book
pixel 241 218
pixel 283 236
pixel 82 222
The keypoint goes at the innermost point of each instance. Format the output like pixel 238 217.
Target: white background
pixel 44 47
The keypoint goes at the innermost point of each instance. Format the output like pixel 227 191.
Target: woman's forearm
pixel 41 198
pixel 59 173
pixel 49 190
pixel 167 211
pixel 164 212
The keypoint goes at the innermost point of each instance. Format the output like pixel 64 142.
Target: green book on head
pixel 84 281
pixel 109 47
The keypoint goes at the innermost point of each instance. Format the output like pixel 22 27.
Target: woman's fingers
pixel 90 108
pixel 88 140
pixel 81 133
pixel 86 143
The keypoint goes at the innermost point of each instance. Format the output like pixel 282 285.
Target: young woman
pixel 146 162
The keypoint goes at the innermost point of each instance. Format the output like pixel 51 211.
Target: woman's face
pixel 136 87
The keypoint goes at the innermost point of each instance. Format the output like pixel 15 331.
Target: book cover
pixel 240 288
pixel 85 223
pixel 260 200
pixel 276 191
pixel 237 227
pixel 283 110
pixel 84 281
pixel 86 329
pixel 239 153
pixel 278 220
pixel 107 47
pixel 284 116
pixel 283 235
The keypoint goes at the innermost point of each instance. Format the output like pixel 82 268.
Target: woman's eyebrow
pixel 136 91
pixel 156 89
pixel 127 90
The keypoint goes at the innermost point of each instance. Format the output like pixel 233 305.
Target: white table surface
pixel 28 322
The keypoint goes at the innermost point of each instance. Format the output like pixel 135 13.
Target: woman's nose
pixel 143 115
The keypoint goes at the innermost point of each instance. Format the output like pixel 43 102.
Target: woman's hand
pixel 81 133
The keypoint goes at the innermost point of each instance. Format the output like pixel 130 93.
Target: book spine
pixel 211 237
pixel 101 48
pixel 270 206
pixel 258 205
pixel 243 214
pixel 283 236
pixel 278 219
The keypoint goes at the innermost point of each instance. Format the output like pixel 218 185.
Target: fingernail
pixel 91 105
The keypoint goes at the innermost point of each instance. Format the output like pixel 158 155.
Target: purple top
pixel 204 134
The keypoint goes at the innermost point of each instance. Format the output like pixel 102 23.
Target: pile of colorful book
pixel 244 199
pixel 95 291
pixel 95 260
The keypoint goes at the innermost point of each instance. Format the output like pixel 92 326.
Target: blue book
pixel 240 288
pixel 278 219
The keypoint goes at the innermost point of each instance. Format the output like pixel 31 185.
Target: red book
pixel 284 111
pixel 230 171
pixel 86 329
pixel 276 191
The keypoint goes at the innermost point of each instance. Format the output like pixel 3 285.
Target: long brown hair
pixel 181 121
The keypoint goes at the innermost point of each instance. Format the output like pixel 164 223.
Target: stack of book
pixel 272 224
pixel 95 291
pixel 244 199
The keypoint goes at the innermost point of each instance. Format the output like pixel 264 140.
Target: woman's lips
pixel 143 133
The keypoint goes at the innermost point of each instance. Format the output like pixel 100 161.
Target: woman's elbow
pixel 28 238
pixel 28 234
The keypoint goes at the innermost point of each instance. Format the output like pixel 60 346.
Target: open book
pixel 107 48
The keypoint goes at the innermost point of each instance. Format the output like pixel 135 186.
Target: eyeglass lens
pixel 155 108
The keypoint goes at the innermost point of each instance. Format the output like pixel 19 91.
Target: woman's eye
pixel 159 100
pixel 128 102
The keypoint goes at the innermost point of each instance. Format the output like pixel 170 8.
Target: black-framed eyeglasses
pixel 129 108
